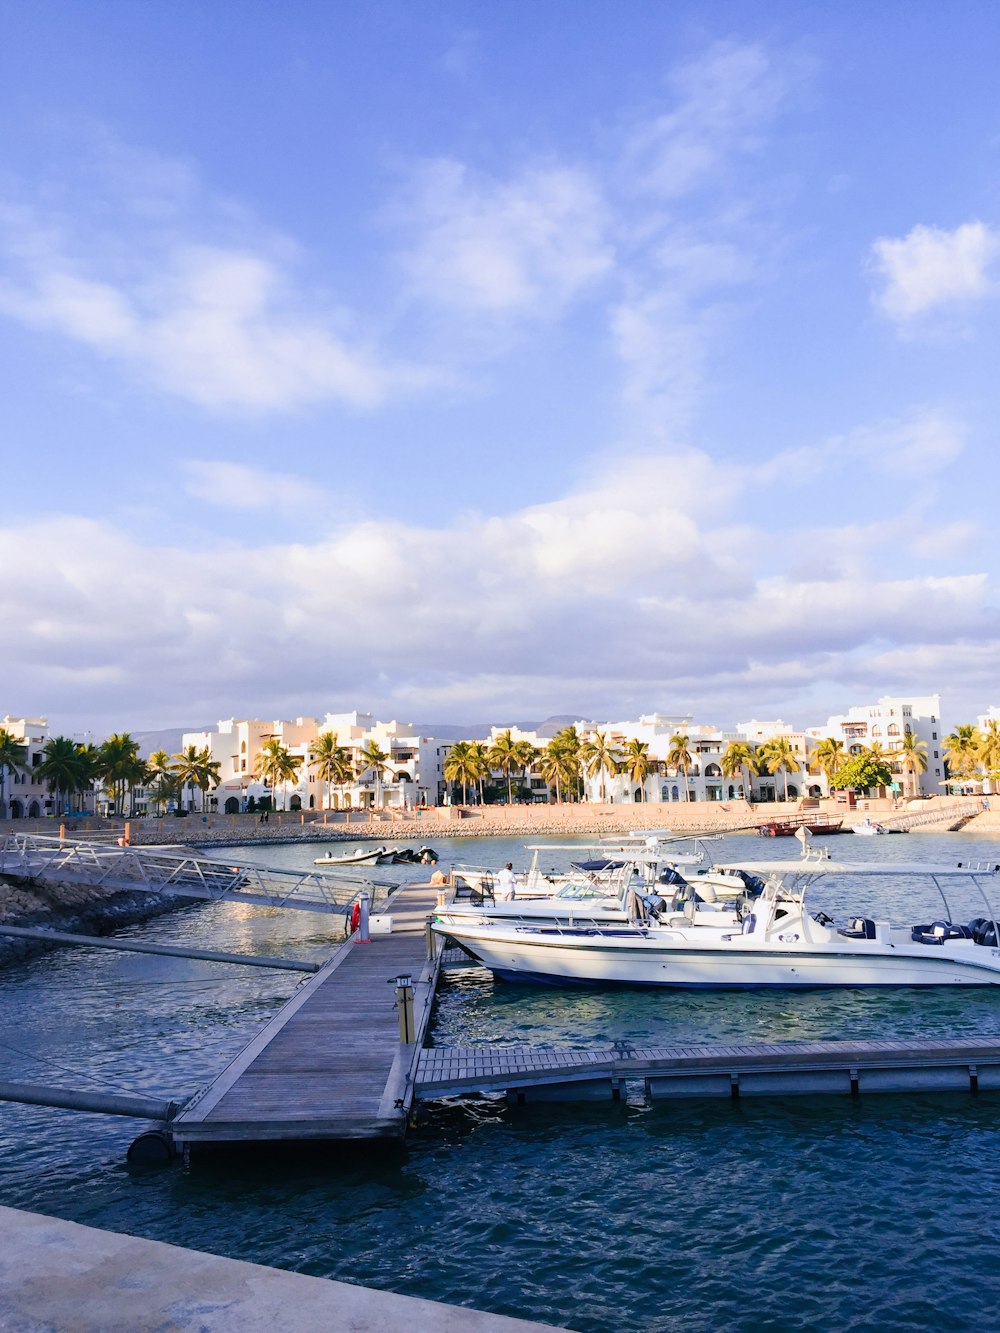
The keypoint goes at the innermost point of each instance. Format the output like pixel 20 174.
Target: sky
pixel 464 361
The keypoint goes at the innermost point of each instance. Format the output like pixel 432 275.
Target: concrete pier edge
pixel 77 1279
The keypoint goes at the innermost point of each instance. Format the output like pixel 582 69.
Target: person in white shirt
pixel 506 883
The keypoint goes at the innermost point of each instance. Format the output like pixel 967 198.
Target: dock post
pixel 404 1005
pixel 364 902
pixel 430 937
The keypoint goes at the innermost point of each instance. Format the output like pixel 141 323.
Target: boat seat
pixel 937 932
pixel 858 928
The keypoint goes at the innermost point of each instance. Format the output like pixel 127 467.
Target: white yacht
pixel 765 940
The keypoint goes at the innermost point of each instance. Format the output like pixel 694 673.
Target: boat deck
pixel 330 1064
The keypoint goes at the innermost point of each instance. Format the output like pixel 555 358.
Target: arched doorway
pixel 34 810
pixel 16 810
pixel 232 805
pixel 296 803
pixel 637 794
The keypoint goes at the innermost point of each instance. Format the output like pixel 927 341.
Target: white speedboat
pixel 610 864
pixel 771 941
pixel 868 828
pixel 362 856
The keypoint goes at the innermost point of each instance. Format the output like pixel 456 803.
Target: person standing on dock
pixel 506 883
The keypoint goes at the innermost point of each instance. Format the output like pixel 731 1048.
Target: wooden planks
pixel 330 1064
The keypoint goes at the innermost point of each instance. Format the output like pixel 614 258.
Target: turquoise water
pixel 807 1213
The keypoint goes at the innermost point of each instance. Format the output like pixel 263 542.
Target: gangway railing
pixel 161 870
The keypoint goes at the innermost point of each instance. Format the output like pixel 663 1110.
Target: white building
pixel 27 796
pixel 703 781
pixel 886 723
pixel 414 764
pixel 412 776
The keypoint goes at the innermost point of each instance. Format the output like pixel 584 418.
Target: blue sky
pixel 476 361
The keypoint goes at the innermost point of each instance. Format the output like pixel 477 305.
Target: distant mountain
pixel 480 731
pixel 169 739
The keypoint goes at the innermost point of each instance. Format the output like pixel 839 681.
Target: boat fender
pixel 355 917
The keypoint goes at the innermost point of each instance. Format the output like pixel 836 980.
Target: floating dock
pixel 331 1063
pixel 779 1070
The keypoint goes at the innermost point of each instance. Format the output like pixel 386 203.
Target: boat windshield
pixel 581 890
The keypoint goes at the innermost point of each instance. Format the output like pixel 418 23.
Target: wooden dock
pixel 330 1064
pixel 778 1070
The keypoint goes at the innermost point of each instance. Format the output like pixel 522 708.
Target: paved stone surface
pixel 59 1277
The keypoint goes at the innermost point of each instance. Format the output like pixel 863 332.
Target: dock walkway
pixel 780 1069
pixel 330 1064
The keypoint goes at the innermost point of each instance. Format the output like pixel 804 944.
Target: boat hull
pixel 632 958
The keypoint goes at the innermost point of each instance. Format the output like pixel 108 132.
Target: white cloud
pixel 725 101
pixel 221 328
pixel 238 486
pixel 930 268
pixel 638 586
pixel 523 246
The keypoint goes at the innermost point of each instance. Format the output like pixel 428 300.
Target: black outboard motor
pixel 983 931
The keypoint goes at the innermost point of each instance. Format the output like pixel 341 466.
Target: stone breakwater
pixel 81 909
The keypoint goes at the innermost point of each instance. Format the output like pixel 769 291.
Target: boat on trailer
pixel 769 939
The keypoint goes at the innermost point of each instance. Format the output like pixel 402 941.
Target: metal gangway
pixel 45 859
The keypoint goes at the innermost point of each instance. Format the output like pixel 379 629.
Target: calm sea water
pixel 802 1214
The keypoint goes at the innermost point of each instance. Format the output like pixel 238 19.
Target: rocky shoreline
pixel 81 909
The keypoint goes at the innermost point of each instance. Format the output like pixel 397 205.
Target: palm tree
pixel 599 756
pixel 740 757
pixel 275 763
pixel 331 761
pixel 827 758
pixel 680 757
pixel 187 769
pixel 637 763
pixel 90 771
pixel 503 755
pixel 961 750
pixel 160 776
pixel 912 755
pixel 12 757
pixel 482 766
pixel 62 767
pixel 989 749
pixel 121 766
pixel 375 759
pixel 183 767
pixel 559 762
pixel 207 775
pixel 527 755
pixel 462 764
pixel 778 756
